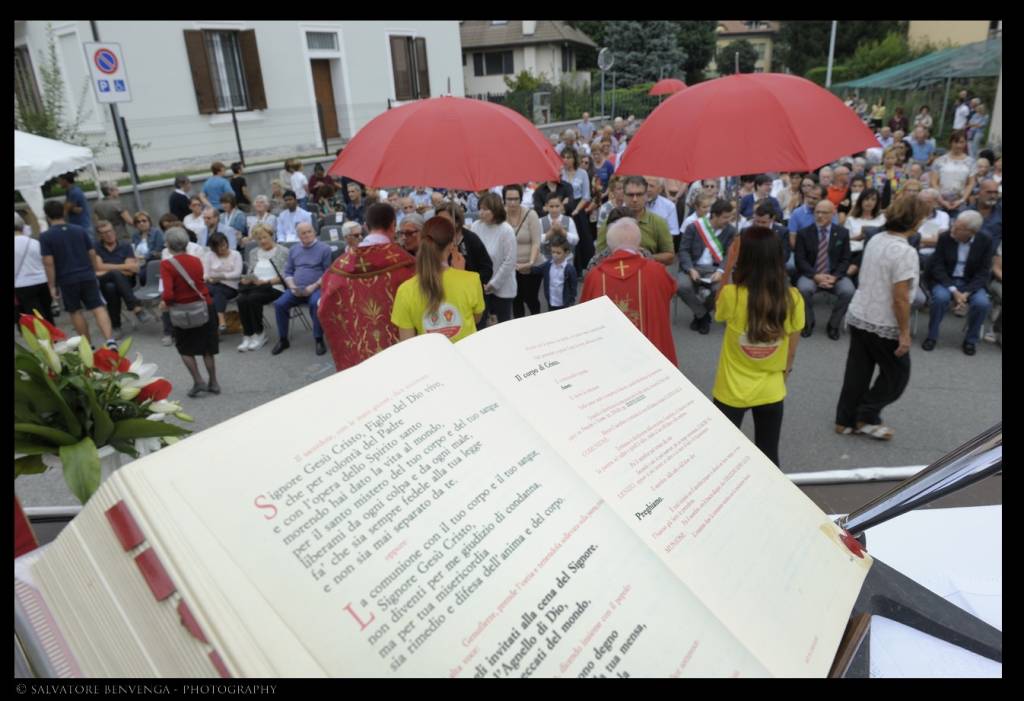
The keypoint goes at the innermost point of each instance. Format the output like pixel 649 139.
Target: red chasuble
pixel 357 295
pixel 642 288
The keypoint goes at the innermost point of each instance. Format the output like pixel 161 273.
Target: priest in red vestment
pixel 359 289
pixel 641 287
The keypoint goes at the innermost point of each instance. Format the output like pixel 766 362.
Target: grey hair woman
pixel 202 340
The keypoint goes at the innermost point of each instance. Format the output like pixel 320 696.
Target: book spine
pixel 131 537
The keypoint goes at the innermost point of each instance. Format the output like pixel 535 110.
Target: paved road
pixel 950 399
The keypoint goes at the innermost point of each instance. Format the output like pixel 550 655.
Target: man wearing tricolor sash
pixel 702 262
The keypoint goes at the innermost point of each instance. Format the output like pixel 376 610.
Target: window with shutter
pixel 422 72
pixel 226 70
pixel 401 63
pixel 478 65
pixel 25 89
pixel 195 46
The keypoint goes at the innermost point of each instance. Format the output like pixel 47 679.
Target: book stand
pixel 895 596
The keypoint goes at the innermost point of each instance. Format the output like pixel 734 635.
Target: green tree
pixel 802 45
pixel 586 57
pixel 525 81
pixel 643 50
pixel 727 57
pixel 52 120
pixel 697 40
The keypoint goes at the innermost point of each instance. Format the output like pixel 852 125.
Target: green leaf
pixel 144 428
pixel 34 395
pixel 32 367
pixel 123 350
pixel 81 468
pixel 29 446
pixel 102 424
pixel 125 446
pixel 29 465
pixel 54 435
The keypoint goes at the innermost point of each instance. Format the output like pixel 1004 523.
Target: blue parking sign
pixel 104 85
pixel 119 86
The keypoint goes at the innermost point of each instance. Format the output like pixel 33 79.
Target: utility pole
pixel 831 55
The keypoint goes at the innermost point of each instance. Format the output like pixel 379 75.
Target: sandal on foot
pixel 876 431
pixel 845 430
pixel 213 389
pixel 196 390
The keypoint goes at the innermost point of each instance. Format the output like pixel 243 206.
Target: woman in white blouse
pixel 194 221
pixel 879 321
pixel 499 239
pixel 223 270
pixel 31 289
pixel 580 181
pixel 953 174
pixel 866 212
pixel 261 216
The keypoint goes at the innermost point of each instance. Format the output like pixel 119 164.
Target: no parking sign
pixel 106 66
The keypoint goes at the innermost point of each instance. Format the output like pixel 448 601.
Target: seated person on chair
pixel 303 275
pixel 936 223
pixel 701 255
pixel 290 218
pixel 958 273
pixel 116 270
pixel 764 216
pixel 822 259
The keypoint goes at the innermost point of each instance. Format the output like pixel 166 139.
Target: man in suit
pixel 822 259
pixel 702 255
pixel 959 272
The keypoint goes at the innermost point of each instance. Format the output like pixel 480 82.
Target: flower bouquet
pixel 69 401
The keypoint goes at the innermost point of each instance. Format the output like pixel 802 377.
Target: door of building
pixel 324 91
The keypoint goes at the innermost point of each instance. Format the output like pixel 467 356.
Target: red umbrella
pixel 450 142
pixel 745 123
pixel 668 86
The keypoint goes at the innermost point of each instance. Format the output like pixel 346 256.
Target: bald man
pixel 641 287
pixel 822 259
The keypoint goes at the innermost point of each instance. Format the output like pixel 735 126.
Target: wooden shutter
pixel 251 68
pixel 422 74
pixel 401 64
pixel 195 45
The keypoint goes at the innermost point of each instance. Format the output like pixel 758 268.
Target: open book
pixel 549 498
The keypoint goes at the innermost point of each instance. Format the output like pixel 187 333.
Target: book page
pixel 400 518
pixel 734 529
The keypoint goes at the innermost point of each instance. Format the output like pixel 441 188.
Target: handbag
pixel 191 315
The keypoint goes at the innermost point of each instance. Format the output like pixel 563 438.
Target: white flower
pixel 165 406
pixel 70 344
pixel 145 371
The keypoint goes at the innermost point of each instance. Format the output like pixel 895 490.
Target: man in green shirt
pixel 654 234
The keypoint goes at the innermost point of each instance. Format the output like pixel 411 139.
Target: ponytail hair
pixel 436 236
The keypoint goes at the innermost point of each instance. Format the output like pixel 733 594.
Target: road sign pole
pixel 132 169
pixel 132 172
pixel 115 115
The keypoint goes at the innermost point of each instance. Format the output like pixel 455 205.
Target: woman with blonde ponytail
pixel 438 299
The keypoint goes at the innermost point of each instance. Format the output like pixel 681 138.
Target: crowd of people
pixel 883 232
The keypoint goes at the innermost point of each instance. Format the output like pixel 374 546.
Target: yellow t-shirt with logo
pixel 463 299
pixel 751 374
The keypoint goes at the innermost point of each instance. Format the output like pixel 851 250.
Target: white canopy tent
pixel 37 159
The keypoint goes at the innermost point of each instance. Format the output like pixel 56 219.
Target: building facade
pixel 760 33
pixel 958 33
pixel 289 83
pixel 495 49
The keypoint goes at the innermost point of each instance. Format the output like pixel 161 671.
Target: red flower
pixel 155 390
pixel 107 360
pixel 28 322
